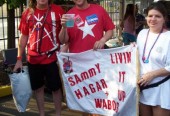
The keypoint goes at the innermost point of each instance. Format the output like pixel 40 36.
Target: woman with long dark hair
pixel 128 25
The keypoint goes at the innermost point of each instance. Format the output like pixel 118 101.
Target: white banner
pixel 101 82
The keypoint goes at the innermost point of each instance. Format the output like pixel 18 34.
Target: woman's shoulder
pixel 166 33
pixel 144 31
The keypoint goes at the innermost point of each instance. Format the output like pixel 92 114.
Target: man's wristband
pixel 19 58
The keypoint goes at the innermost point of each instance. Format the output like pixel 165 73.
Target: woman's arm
pixel 148 77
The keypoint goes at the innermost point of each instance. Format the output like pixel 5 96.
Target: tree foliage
pixel 2 2
pixel 12 4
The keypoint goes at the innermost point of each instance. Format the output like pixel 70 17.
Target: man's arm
pixel 63 35
pixel 22 44
pixel 100 44
pixel 21 49
pixel 108 35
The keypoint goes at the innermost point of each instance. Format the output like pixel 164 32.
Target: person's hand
pixel 99 44
pixel 145 79
pixel 18 65
pixel 64 48
pixel 133 44
pixel 64 20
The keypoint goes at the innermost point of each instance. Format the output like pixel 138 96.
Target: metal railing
pixel 4 26
pixel 113 9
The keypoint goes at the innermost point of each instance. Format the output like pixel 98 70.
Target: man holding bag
pixel 39 26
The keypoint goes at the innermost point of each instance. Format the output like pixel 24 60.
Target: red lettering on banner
pixel 121 95
pixel 98 67
pixel 119 58
pixel 128 54
pixel 86 92
pixel 125 57
pixel 78 94
pixel 99 88
pixel 84 75
pixel 107 104
pixel 91 88
pixel 103 83
pixel 122 76
pixel 116 58
pixel 104 105
pixel 92 72
pixel 77 79
pixel 70 79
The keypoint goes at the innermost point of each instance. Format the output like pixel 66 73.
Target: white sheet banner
pixel 101 82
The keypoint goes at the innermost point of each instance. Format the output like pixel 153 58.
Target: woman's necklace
pixel 144 59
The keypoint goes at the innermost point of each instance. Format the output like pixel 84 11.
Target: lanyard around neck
pixel 41 36
pixel 144 59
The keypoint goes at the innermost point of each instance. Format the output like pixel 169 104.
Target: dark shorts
pixel 44 74
pixel 127 38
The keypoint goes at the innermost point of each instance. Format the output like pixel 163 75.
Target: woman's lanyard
pixel 144 59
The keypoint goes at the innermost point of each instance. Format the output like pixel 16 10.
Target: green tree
pixel 2 2
pixel 12 4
